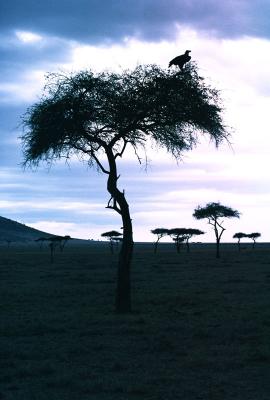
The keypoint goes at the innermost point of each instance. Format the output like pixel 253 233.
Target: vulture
pixel 181 60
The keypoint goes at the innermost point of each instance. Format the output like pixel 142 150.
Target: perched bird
pixel 181 60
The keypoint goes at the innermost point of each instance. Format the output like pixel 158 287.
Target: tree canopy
pixel 111 234
pixel 213 211
pixel 254 235
pixel 239 235
pixel 86 112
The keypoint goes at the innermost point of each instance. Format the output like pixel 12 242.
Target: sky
pixel 229 41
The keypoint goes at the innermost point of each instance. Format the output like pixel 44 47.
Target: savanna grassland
pixel 200 327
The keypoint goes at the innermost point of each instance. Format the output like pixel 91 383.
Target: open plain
pixel 200 326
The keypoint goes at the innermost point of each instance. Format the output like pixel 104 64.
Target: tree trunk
pixel 123 290
pixel 218 252
pixel 156 246
pixel 111 246
pixel 178 246
pixel 119 204
pixel 218 237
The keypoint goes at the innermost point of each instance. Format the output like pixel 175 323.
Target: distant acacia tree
pixel 190 232
pixel 181 235
pixel 54 242
pixel 178 236
pixel 98 115
pixel 254 236
pixel 239 236
pixel 113 236
pixel 214 212
pixel 160 232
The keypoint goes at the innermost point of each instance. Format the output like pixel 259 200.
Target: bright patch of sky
pixel 28 37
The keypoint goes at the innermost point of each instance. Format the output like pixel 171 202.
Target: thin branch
pixel 99 163
pixel 136 154
pixel 211 223
pixel 219 224
pixel 114 206
pixel 119 154
pixel 222 230
pixel 91 152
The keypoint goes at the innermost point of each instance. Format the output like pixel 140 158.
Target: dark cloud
pixel 96 21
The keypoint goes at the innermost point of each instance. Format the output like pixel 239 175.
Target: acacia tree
pixel 254 236
pixel 112 236
pixel 160 232
pixel 190 232
pixel 181 235
pixel 178 236
pixel 239 236
pixel 97 115
pixel 213 212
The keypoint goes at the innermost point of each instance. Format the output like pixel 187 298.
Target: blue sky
pixel 230 41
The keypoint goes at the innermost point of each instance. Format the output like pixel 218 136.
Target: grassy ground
pixel 200 327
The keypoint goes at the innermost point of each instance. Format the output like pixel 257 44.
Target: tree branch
pixel 99 163
pixel 119 154
pixel 91 152
pixel 114 206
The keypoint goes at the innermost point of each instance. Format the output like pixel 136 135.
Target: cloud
pixel 100 21
pixel 28 37
pixel 57 207
pixel 25 58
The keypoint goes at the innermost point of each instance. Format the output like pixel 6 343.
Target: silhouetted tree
pixel 98 115
pixel 254 236
pixel 57 241
pixel 190 232
pixel 213 212
pixel 160 232
pixel 64 241
pixel 112 236
pixel 239 236
pixel 41 240
pixel 180 235
pixel 54 242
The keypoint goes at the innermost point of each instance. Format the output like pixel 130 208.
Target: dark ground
pixel 200 328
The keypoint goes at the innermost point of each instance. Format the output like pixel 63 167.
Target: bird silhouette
pixel 181 60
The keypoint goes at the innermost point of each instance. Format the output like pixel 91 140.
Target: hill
pixel 16 232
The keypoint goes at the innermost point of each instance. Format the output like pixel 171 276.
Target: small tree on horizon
pixel 160 232
pixel 239 236
pixel 181 235
pixel 213 212
pixel 178 236
pixel 111 236
pixel 254 236
pixel 97 116
pixel 190 233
